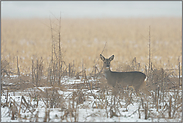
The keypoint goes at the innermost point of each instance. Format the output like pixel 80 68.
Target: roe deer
pixel 134 78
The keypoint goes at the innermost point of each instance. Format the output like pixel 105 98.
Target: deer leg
pixel 137 91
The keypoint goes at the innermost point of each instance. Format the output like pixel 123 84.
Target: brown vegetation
pixel 82 40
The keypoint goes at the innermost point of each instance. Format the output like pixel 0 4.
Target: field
pixel 87 101
pixel 82 40
pixel 51 69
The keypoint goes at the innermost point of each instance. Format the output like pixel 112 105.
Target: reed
pixel 82 41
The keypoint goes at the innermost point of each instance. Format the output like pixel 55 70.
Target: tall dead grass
pixel 83 40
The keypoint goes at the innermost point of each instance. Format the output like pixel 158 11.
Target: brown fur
pixel 133 78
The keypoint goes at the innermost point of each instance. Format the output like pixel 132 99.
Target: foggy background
pixel 90 9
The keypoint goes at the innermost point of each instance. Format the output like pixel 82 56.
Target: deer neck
pixel 107 72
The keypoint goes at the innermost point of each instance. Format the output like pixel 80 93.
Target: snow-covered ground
pixel 94 108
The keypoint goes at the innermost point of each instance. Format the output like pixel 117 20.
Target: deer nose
pixel 107 65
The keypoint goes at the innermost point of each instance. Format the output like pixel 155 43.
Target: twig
pixel 104 47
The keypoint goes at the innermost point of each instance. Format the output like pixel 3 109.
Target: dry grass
pixel 83 40
pixel 162 104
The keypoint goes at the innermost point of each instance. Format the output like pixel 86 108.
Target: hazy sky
pixel 90 9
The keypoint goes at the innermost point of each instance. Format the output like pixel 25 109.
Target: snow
pixel 86 111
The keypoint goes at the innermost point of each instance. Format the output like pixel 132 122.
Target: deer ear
pixel 111 58
pixel 102 57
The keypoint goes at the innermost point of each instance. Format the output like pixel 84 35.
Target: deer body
pixel 134 78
